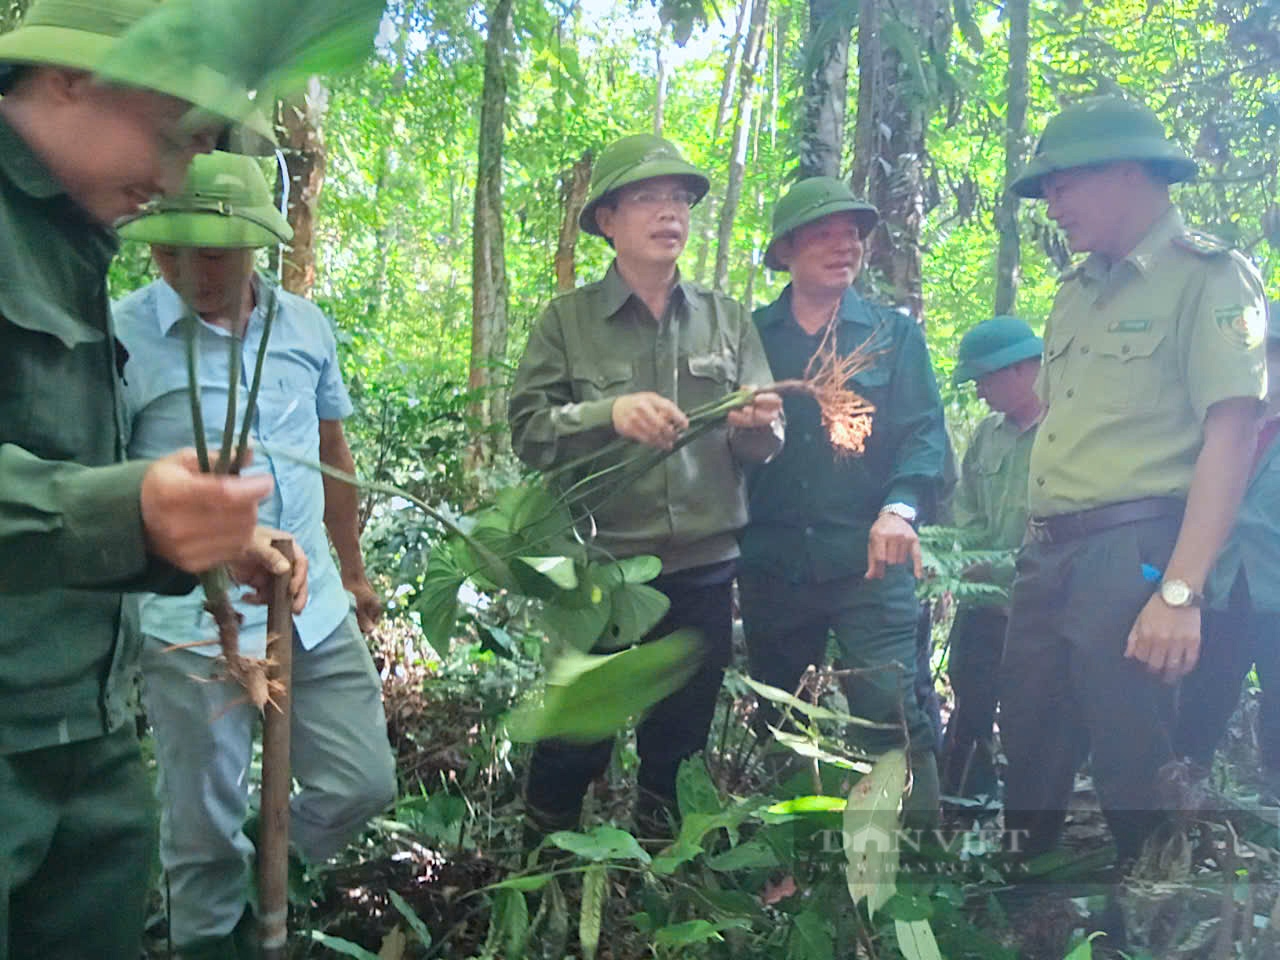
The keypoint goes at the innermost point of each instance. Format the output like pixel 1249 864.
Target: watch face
pixel 1175 593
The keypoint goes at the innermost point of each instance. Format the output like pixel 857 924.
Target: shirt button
pixel 1124 349
pixel 808 531
pixel 1084 349
pixel 1039 481
pixel 1071 392
pixel 1053 437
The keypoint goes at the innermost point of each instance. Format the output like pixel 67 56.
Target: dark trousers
pixel 675 728
pixel 926 692
pixel 973 665
pixel 77 840
pixel 1231 640
pixel 1066 686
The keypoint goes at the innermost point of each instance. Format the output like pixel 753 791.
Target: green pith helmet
pixel 812 199
pixel 224 203
pixel 80 34
pixel 993 345
pixel 641 156
pixel 1101 130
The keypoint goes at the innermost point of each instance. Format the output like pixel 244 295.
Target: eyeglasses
pixel 660 198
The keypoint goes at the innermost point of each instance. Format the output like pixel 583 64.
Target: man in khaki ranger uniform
pixel 1152 376
pixel 622 357
pixel 1002 357
pixel 78 526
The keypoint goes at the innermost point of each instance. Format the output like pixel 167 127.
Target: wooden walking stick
pixel 273 838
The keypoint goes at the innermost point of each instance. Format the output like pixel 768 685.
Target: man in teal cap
pixel 78 527
pixel 831 545
pixel 1241 623
pixel 1152 377
pixel 204 242
pixel 619 358
pixel 1002 357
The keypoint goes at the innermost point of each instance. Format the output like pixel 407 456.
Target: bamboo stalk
pixel 273 838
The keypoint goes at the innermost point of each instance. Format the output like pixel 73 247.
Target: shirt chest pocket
pixel 705 378
pixel 1129 371
pixel 610 378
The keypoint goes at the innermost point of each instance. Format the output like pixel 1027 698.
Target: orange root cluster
pixel 846 414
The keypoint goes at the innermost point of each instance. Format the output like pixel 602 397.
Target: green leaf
pixel 588 698
pixel 559 570
pixel 411 917
pixel 344 947
pixel 602 843
pixel 870 826
pixel 523 884
pixel 752 855
pixel 811 710
pixel 1084 949
pixel 807 748
pixel 686 934
pixel 593 894
pixel 816 804
pixel 695 793
pixel 639 569
pixel 437 602
pixel 509 922
pixel 916 940
pixel 812 939
pixel 578 627
pixel 635 609
pixel 969 28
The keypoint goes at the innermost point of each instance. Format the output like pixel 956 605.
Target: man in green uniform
pixel 1241 624
pixel 77 526
pixel 831 544
pixel 1153 371
pixel 1002 356
pixel 620 358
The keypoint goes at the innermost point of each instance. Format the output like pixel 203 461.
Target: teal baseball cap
pixel 993 345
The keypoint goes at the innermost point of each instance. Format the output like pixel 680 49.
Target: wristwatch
pixel 1178 593
pixel 903 510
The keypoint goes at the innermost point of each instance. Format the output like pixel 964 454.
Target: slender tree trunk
pixel 1008 256
pixel 864 132
pixel 741 138
pixel 574 190
pixel 660 94
pixel 488 260
pixel 826 88
pixel 302 138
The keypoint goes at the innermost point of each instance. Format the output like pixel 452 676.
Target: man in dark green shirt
pixel 623 357
pixel 831 545
pixel 78 526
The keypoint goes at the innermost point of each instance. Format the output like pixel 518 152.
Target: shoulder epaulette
pixel 1071 272
pixel 1202 244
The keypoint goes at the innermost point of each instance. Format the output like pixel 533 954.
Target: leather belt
pixel 1062 527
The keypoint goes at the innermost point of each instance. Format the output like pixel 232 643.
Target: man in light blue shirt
pixel 203 243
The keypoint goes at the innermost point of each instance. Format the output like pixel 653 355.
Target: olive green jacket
pixel 811 510
pixel 71 534
pixel 991 501
pixel 1253 548
pixel 600 342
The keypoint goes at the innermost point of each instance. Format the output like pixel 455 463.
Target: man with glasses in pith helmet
pixel 204 242
pixel 624 357
pixel 1153 372
pixel 78 527
pixel 831 546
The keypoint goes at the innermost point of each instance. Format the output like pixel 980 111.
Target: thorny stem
pixel 235 344
pixel 251 405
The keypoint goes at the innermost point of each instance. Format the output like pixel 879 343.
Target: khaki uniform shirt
pixel 1135 355
pixel 600 342
pixel 991 500
pixel 71 535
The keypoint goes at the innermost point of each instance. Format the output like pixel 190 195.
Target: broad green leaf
pixel 634 610
pixel 675 856
pixel 559 570
pixel 523 884
pixel 818 804
pixel 870 831
pixel 437 602
pixel 811 710
pixel 807 748
pixel 576 627
pixel 588 697
pixel 411 917
pixel 686 934
pixel 593 894
pixel 1084 949
pixel 752 855
pixel 509 922
pixel 602 843
pixel 344 947
pixel 812 937
pixel 916 940
pixel 640 569
pixel 695 793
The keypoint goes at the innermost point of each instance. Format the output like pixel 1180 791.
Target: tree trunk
pixel 864 133
pixel 574 186
pixel 1008 257
pixel 741 137
pixel 302 140
pixel 826 88
pixel 660 94
pixel 488 260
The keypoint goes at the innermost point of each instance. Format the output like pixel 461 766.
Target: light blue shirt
pixel 301 385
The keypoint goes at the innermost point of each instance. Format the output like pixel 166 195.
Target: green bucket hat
pixel 224 203
pixel 812 199
pixel 993 345
pixel 641 156
pixel 1101 130
pixel 81 35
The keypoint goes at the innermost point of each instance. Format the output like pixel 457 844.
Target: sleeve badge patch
pixel 1245 327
